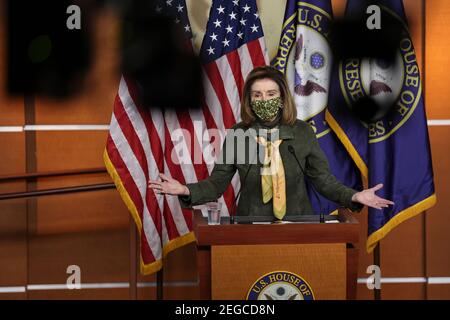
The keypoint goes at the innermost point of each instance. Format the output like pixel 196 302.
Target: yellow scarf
pixel 272 177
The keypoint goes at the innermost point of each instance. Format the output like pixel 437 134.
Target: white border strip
pixel 11 129
pixel 397 280
pixel 112 285
pixel 439 280
pixel 12 289
pixel 56 127
pixel 66 127
pixel 439 122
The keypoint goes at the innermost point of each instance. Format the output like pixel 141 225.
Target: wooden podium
pixel 232 257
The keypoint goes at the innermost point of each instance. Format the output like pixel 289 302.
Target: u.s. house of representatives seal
pixel 280 285
pixel 387 82
pixel 305 56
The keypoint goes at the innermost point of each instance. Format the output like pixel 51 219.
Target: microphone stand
pixel 239 193
pixel 321 215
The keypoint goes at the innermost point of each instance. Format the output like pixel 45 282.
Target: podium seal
pixel 280 285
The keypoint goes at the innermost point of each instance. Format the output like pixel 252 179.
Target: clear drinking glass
pixel 214 209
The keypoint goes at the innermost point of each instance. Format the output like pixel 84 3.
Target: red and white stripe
pixel 144 142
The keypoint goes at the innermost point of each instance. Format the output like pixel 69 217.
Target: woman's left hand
pixel 369 198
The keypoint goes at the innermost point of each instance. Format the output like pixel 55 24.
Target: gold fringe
pixel 347 144
pixel 173 244
pixel 410 212
pixel 122 191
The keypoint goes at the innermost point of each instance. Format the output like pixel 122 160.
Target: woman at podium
pixel 272 151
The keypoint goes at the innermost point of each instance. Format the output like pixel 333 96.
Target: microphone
pixel 242 186
pixel 292 151
pixel 239 193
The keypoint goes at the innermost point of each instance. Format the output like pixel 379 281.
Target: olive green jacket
pixel 249 155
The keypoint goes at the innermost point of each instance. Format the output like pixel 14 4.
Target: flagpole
pixel 133 260
pixel 377 262
pixel 159 284
pixel 424 214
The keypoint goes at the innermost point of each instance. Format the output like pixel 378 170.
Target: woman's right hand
pixel 169 185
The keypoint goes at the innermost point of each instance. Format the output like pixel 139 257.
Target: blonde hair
pixel 289 112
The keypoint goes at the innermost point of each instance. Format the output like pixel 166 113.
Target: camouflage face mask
pixel 266 109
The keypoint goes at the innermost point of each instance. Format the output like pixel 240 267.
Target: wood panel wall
pixel 40 237
pixel 437 228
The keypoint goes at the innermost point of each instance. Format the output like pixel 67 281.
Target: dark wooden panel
pixel 437 63
pixel 81 294
pixel 171 293
pixel 12 186
pixel 438 291
pixel 13 247
pixel 66 150
pixel 394 291
pixel 204 270
pixel 438 217
pixel 403 291
pixel 12 145
pixel 352 272
pixel 13 296
pixel 413 10
pixel 103 256
pixel 363 293
pixel 13 257
pixel 79 212
pixel 12 217
pixel 147 278
pixel 365 259
pixel 74 180
pixel 181 264
pixel 402 250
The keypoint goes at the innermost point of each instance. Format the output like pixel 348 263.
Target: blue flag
pixel 304 55
pixel 394 150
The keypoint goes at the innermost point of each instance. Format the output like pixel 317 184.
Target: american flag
pixel 138 148
pixel 141 141
pixel 232 46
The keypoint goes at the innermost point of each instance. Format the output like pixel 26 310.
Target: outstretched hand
pixel 369 198
pixel 168 185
